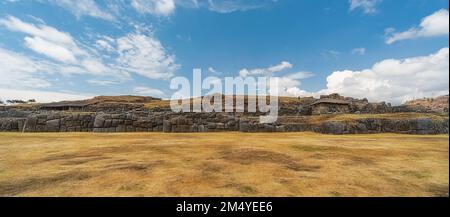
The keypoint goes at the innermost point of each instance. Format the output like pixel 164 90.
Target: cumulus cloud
pixel 426 76
pixel 155 7
pixel 84 8
pixel 436 24
pixel 368 6
pixel 385 81
pixel 265 71
pixel 288 85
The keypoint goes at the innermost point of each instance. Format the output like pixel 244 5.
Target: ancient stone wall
pixel 128 122
pixel 205 122
pixel 121 122
pixel 362 126
pixel 58 122
pixel 11 124
pixel 326 108
pixel 201 122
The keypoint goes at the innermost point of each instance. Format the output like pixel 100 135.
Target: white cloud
pixel 385 81
pixel 167 7
pixel 136 52
pixel 71 59
pixel 155 7
pixel 145 55
pixel 331 54
pixel 289 85
pixel 280 67
pixel 434 25
pixel 42 31
pixel 102 82
pixel 20 71
pixel 299 75
pixel 359 51
pixel 104 45
pixel 20 75
pixel 95 67
pixel 40 96
pixel 213 71
pixel 149 91
pixel 50 49
pixel 45 40
pixel 229 6
pixel 265 71
pixel 84 8
pixel 160 8
pixel 368 6
pixel 390 80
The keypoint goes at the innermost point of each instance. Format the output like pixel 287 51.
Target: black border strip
pixel 168 205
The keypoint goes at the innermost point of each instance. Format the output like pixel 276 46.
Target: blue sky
pixel 385 50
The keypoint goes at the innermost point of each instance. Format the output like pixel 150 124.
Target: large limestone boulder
pixel 244 126
pixel 99 121
pixel 167 126
pixel 53 125
pixel 332 128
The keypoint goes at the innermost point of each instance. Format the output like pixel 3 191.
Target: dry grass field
pixel 223 164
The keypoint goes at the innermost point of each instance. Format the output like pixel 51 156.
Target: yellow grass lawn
pixel 223 164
